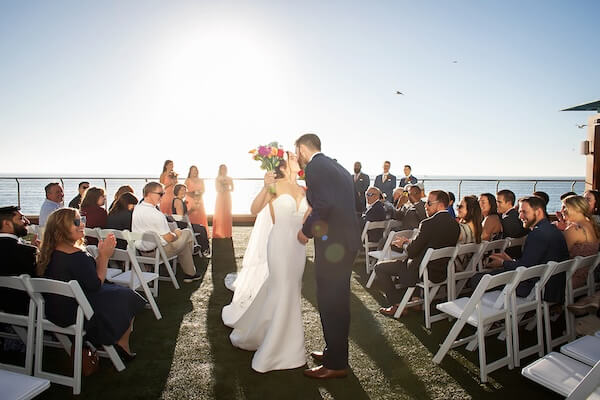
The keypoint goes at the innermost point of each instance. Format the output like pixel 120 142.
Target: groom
pixel 334 227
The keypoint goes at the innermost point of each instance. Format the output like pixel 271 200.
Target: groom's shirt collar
pixel 313 156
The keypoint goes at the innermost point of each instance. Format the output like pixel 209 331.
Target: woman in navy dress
pixel 63 257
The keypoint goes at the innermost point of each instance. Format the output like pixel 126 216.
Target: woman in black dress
pixel 63 257
pixel 119 217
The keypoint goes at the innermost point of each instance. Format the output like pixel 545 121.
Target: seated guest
pixel 361 184
pixel 180 215
pixel 593 198
pixel 386 182
pixel 512 226
pixel 543 244
pixel 451 205
pixel 407 178
pixel 544 196
pixel 63 257
pixel 470 219
pixel 412 211
pixel 121 190
pixel 437 231
pixel 582 233
pixel 54 201
pixel 83 186
pixel 119 216
pixel 147 218
pixel 492 227
pixel 399 197
pixel 561 223
pixel 17 258
pixel 92 208
pixel 375 212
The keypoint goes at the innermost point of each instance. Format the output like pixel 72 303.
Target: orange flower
pixel 253 151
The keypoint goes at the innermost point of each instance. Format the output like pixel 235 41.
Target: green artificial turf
pixel 187 354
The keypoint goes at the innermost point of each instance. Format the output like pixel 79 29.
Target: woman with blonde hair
pixel 63 257
pixel 581 234
pixel 194 199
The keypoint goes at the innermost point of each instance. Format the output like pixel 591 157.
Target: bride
pixel 268 318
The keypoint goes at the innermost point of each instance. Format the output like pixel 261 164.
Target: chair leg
pixel 404 302
pixel 114 357
pixel 547 327
pixel 428 297
pixel 515 337
pixel 452 335
pixel 371 280
pixel 77 364
pixel 482 358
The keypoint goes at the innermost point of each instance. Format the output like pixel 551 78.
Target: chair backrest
pixel 370 225
pixel 92 232
pixel 588 385
pixel 496 245
pixel 39 286
pixel 436 254
pixel 516 242
pixel 475 249
pixel 523 274
pixel 590 262
pixel 103 233
pixel 488 282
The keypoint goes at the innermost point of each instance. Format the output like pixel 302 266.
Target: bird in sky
pixel 454 62
pixel 399 92
pixel 580 126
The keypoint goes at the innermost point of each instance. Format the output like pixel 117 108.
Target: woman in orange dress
pixel 168 178
pixel 222 219
pixel 195 204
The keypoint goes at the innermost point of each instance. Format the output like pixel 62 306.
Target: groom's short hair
pixel 310 140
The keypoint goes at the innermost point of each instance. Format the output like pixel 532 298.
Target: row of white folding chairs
pixel 364 237
pixel 36 324
pixel 387 253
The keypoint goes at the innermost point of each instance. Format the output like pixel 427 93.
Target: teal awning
pixel 593 106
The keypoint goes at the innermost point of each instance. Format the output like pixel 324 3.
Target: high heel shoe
pixel 125 356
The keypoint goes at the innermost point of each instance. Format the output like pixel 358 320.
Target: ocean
pixel 32 188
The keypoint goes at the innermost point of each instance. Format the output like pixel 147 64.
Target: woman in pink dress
pixel 222 219
pixel 168 178
pixel 195 203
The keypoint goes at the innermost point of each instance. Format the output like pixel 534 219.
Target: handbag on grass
pixel 90 362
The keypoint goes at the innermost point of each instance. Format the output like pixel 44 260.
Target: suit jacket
pixel 544 243
pixel 360 187
pixel 404 181
pixel 512 227
pixel 330 193
pixel 437 231
pixel 386 187
pixel 375 213
pixel 412 215
pixel 16 259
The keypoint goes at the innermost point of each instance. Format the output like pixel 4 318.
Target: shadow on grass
pixel 153 341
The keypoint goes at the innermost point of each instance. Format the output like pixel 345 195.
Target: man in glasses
pixel 54 201
pixel 375 212
pixel 17 258
pixel 437 231
pixel 147 218
pixel 83 186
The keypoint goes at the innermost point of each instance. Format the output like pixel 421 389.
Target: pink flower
pixel 264 151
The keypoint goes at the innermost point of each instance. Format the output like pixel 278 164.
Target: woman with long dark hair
pixel 492 226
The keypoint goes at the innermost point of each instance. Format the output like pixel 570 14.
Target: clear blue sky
pixel 116 87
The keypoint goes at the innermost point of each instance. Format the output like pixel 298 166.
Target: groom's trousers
pixel 333 298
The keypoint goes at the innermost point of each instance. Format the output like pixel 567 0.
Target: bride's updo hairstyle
pixel 279 169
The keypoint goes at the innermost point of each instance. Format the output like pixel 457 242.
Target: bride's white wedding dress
pixel 271 323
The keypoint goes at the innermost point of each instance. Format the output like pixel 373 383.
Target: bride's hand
pixel 269 178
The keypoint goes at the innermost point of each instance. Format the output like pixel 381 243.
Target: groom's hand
pixel 302 237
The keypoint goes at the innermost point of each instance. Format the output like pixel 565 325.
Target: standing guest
pixel 120 215
pixel 169 179
pixel 63 257
pixel 54 201
pixel 194 198
pixel 593 198
pixel 512 226
pixel 146 218
pixel 582 233
pixel 361 184
pixel 386 182
pixel 120 191
pixel 92 208
pixel 17 258
pixel 408 178
pixel 451 204
pixel 83 186
pixel 492 227
pixel 375 212
pixel 222 219
pixel 181 216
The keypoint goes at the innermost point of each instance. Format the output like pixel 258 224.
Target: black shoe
pixel 192 278
pixel 125 356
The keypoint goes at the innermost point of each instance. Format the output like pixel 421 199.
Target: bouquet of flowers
pixel 269 155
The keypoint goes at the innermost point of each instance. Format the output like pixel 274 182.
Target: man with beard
pixel 17 258
pixel 543 244
pixel 361 184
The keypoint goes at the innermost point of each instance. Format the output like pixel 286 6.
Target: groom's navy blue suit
pixel 334 227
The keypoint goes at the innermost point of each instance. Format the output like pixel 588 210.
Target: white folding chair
pixel 368 246
pixel 387 253
pixel 495 246
pixel 37 287
pixel 516 242
pixel 565 376
pixel 566 267
pixel 471 310
pixel 430 289
pixel 586 349
pixel 158 256
pixel 36 230
pixel 590 262
pixel 23 325
pixel 96 233
pixel 458 279
pixel 22 387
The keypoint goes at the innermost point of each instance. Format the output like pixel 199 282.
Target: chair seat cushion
pixel 455 308
pixel 20 386
pixel 556 372
pixel 585 349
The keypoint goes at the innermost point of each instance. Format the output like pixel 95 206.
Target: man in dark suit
pixel 16 258
pixel 512 226
pixel 437 231
pixel 386 182
pixel 334 226
pixel 375 212
pixel 543 244
pixel 76 201
pixel 361 184
pixel 407 178
pixel 412 209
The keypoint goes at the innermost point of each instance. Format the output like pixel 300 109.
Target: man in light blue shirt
pixel 54 201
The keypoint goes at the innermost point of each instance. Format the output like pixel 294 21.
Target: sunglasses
pixel 79 221
pixel 461 206
pixel 161 194
pixel 371 194
pixel 430 203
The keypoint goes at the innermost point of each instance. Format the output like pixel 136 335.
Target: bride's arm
pixel 264 196
pixel 306 214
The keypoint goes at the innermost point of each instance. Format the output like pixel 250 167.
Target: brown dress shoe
pixel 389 311
pixel 318 356
pixel 321 372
